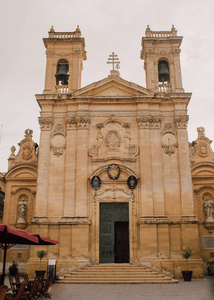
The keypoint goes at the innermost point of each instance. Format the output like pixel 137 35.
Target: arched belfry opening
pixel 62 72
pixel 163 71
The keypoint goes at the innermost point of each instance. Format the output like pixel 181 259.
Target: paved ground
pixel 197 289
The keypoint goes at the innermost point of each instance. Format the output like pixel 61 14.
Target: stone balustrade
pixel 165 87
pixel 161 34
pixel 61 89
pixel 64 35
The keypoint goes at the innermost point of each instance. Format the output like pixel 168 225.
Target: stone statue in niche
pixel 208 208
pixel 22 211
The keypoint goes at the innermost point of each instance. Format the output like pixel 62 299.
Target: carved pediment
pixel 113 86
pixel 201 147
pixel 113 141
pixel 27 153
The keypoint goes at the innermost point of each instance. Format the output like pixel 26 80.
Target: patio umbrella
pixel 9 237
pixel 44 240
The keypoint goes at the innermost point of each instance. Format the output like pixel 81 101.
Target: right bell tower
pixel 161 55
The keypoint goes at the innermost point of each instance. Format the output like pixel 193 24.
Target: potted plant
pixel 40 255
pixel 13 269
pixel 211 274
pixel 187 275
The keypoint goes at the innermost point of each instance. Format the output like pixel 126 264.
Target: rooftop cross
pixel 114 60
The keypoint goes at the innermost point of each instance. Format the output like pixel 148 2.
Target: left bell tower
pixel 65 53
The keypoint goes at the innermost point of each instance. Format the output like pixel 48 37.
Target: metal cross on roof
pixel 114 60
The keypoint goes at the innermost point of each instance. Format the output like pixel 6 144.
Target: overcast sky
pixel 106 25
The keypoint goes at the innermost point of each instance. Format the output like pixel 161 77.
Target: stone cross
pixel 114 60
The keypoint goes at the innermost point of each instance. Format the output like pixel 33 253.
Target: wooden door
pixel 121 242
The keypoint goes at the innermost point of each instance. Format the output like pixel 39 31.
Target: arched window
pixel 62 72
pixel 163 71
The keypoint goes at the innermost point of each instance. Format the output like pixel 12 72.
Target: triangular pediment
pixel 113 86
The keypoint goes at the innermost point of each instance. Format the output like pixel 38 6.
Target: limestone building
pixel 114 179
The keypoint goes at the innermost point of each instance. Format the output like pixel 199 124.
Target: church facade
pixel 114 178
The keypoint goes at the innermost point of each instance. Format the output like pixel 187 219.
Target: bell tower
pixel 65 53
pixel 161 55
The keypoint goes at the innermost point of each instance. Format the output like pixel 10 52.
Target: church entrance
pixel 114 233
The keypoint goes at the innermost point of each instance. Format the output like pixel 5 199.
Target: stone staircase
pixel 116 273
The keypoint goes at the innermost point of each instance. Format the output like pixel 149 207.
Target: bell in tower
pixel 62 74
pixel 163 71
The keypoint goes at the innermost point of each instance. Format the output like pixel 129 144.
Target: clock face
pixel 169 139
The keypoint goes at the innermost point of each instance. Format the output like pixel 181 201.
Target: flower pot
pixel 40 273
pixel 187 275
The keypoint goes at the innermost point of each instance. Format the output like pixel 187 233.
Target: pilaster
pixel 70 167
pixel 43 167
pixel 157 166
pixel 82 123
pixel 184 167
pixel 146 204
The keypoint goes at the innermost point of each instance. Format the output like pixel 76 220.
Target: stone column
pixel 184 167
pixel 146 201
pixel 82 123
pixel 177 70
pixel 77 66
pixel 43 168
pixel 157 167
pixel 70 168
pixel 49 77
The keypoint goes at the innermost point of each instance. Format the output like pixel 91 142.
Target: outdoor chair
pixel 30 295
pixel 17 279
pixel 3 291
pixel 46 287
pixel 13 285
pixel 26 277
pixel 19 294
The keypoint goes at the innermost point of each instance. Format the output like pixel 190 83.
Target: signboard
pixel 208 242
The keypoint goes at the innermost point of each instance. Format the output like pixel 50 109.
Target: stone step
pixel 121 281
pixel 116 274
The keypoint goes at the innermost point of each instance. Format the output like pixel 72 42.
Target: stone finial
pixel 28 133
pixel 173 30
pixel 52 29
pixel 13 149
pixel 201 131
pixel 77 32
pixel 148 31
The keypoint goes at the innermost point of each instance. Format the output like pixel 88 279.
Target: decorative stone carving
pixel 176 52
pixel 45 122
pixel 114 139
pixel 83 122
pixel 58 142
pixel 181 121
pixel 112 194
pixel 201 131
pixel 27 151
pixel 168 128
pixel 201 146
pixel 22 212
pixel 80 122
pixel 149 121
pixel 208 208
pixel 169 141
pixel 113 119
pixel 202 149
pixel 28 133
